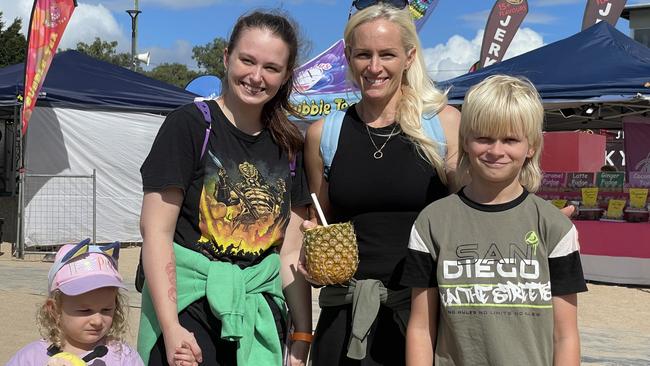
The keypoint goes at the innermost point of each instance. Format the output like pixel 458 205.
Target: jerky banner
pixel 602 10
pixel 505 18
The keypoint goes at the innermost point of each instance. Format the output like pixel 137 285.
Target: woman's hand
pixel 303 270
pixel 176 337
pixel 307 224
pixel 302 261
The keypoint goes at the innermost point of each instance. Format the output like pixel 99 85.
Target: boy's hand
pixel 569 211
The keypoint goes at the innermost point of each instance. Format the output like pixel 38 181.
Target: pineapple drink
pixel 331 252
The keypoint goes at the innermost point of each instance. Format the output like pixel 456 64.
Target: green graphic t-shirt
pixel 496 268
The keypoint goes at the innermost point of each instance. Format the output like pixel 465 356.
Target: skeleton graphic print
pixel 241 209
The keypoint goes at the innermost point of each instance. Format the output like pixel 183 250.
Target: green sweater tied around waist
pixel 235 298
pixel 366 296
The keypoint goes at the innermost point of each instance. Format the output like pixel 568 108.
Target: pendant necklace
pixel 378 150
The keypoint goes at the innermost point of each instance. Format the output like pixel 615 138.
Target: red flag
pixel 48 21
pixel 599 10
pixel 505 18
pixel 475 67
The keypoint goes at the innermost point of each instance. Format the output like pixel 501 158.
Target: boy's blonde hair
pixel 49 316
pixel 498 106
pixel 419 94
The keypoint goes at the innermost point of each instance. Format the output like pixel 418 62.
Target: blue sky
pixel 169 28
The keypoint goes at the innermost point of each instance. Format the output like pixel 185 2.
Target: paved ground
pixel 614 320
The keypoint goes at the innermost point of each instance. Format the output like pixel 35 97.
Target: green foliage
pixel 105 51
pixel 210 57
pixel 174 73
pixel 13 45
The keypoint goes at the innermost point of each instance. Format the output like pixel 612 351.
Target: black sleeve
pixel 419 270
pixel 421 262
pixel 175 151
pixel 299 188
pixel 566 275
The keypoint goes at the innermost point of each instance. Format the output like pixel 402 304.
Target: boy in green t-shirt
pixel 495 270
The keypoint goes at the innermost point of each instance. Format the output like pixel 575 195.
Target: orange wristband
pixel 302 336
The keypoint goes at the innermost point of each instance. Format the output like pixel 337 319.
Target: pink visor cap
pixel 80 268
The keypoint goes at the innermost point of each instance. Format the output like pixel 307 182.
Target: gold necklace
pixel 378 150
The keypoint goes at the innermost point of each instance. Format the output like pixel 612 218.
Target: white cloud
pixel 96 20
pixel 454 58
pixel 12 9
pixel 525 40
pixel 90 21
pixel 539 18
pixel 87 22
pixel 180 52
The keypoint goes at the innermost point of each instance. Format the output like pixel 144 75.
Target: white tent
pixel 63 142
pixel 98 117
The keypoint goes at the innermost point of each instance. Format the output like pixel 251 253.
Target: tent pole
pixel 94 206
pixel 20 220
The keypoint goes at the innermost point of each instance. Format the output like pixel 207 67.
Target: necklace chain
pixel 378 150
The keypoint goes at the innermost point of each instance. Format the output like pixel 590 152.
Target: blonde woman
pixel 386 168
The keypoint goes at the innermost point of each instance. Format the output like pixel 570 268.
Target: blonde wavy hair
pixel 419 94
pixel 498 106
pixel 49 316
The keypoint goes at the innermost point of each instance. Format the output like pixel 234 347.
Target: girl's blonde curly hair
pixel 49 316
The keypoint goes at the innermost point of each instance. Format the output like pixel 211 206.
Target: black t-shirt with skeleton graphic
pixel 237 197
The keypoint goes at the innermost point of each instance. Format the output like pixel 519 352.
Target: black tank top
pixel 382 197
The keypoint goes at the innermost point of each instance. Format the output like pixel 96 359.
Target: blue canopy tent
pixel 75 79
pixel 90 116
pixel 599 67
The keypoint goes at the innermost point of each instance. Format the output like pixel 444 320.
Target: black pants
pixel 198 319
pixel 386 343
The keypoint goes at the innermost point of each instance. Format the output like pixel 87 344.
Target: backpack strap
pixel 205 110
pixel 329 139
pixel 292 167
pixel 433 129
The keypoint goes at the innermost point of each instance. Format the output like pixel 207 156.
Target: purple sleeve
pixel 33 354
pixel 121 354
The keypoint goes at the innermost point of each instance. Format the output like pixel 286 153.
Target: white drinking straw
pixel 320 211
